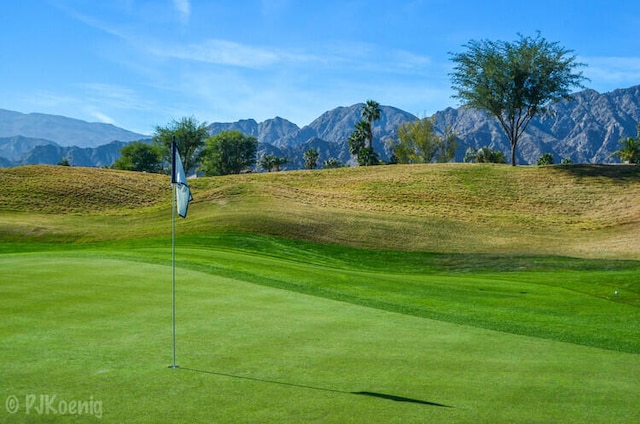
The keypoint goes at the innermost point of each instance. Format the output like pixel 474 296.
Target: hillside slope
pixel 581 210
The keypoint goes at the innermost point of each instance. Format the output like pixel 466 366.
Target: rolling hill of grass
pixel 430 293
pixel 582 210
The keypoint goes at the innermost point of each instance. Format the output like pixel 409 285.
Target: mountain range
pixel 586 129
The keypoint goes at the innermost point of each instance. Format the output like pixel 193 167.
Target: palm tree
pixel 267 162
pixel 311 158
pixel 280 161
pixel 630 151
pixel 359 137
pixel 371 112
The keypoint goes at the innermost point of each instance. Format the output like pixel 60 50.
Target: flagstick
pixel 173 272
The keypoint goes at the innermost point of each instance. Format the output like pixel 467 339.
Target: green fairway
pixel 95 324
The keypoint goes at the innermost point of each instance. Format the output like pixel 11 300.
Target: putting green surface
pixel 90 326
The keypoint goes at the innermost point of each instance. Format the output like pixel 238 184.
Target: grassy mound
pixel 581 210
pixel 71 190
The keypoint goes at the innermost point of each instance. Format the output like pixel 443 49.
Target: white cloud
pixel 183 7
pixel 101 117
pixel 224 52
pixel 230 53
pixel 112 95
pixel 611 72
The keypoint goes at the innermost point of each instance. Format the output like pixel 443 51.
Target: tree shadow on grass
pixel 324 389
pixel 614 172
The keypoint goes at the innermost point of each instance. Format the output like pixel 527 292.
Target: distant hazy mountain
pixel 585 130
pixel 51 154
pixel 12 149
pixel 268 131
pixel 62 130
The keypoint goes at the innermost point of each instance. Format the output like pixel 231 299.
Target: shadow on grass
pixel 324 389
pixel 617 171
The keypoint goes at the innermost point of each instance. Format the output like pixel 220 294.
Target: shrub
pixel 545 159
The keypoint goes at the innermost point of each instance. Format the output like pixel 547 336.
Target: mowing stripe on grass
pixel 81 325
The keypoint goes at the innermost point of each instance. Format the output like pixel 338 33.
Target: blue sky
pixel 138 64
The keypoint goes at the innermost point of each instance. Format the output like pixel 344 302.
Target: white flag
pixel 183 193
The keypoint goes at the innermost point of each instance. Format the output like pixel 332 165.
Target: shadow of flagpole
pixel 324 389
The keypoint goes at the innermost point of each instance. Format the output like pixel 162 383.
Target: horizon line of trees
pixel 232 152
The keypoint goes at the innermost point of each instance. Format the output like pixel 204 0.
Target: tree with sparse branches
pixel 514 81
pixel 418 142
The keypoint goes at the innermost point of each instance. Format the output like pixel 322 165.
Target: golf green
pixel 86 328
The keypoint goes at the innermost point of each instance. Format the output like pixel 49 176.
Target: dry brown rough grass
pixel 578 210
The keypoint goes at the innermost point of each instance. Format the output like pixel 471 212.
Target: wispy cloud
pixel 230 53
pixel 183 7
pixel 101 117
pixel 617 72
pixel 112 95
pixel 90 21
pixel 91 102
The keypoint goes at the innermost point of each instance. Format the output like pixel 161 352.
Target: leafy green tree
pixel 470 155
pixel 447 146
pixel 332 163
pixel 514 81
pixel 64 162
pixel 371 112
pixel 545 159
pixel 311 158
pixel 229 152
pixel 139 156
pixel 418 143
pixel 566 161
pixel 190 135
pixel 488 155
pixel 630 150
pixel 484 154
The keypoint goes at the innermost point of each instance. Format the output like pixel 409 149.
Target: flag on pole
pixel 183 193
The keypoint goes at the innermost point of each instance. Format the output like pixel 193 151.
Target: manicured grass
pixel 92 324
